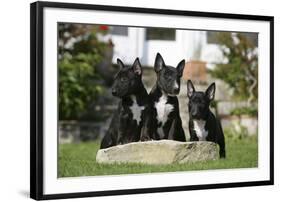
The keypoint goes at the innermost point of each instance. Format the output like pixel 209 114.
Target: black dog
pixel 163 120
pixel 127 121
pixel 203 125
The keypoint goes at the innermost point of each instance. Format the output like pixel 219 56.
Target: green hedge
pixel 80 52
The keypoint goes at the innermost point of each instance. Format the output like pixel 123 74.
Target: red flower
pixel 103 27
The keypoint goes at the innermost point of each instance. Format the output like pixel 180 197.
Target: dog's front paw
pixel 145 138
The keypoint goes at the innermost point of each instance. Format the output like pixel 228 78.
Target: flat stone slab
pixel 159 152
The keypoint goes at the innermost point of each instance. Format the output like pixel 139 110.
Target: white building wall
pixel 211 53
pixel 127 47
pixel 186 44
pixel 172 51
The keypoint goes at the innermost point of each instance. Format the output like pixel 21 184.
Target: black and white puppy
pixel 128 120
pixel 163 121
pixel 203 125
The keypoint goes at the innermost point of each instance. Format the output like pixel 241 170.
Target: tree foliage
pixel 240 71
pixel 79 53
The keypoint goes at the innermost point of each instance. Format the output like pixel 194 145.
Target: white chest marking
pixel 136 110
pixel 163 109
pixel 199 127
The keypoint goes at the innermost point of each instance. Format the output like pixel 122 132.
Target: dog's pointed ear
pixel 190 89
pixel 137 67
pixel 120 63
pixel 210 92
pixel 159 63
pixel 180 67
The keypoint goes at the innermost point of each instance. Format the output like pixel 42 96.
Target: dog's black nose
pixel 176 90
pixel 114 92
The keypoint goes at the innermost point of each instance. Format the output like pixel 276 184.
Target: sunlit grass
pixel 79 160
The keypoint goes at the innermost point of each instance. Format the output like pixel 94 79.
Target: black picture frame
pixel 37 99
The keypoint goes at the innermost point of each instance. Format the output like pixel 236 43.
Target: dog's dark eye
pixel 123 79
pixel 167 75
pixel 202 102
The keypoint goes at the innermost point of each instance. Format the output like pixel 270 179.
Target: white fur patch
pixel 163 109
pixel 136 110
pixel 199 127
pixel 176 85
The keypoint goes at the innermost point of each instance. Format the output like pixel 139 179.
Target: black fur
pixel 198 107
pixel 129 87
pixel 166 90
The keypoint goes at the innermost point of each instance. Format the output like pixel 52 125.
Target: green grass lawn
pixel 79 160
